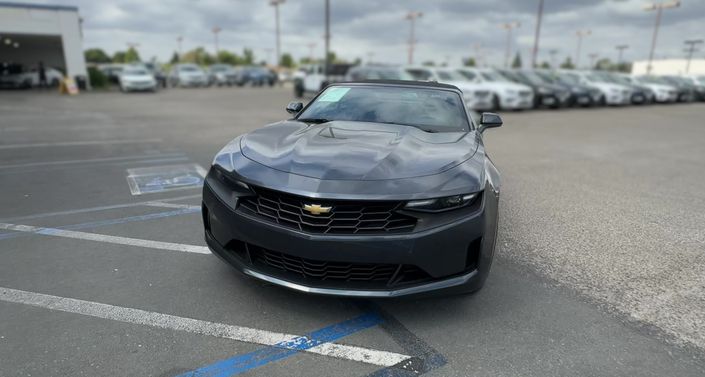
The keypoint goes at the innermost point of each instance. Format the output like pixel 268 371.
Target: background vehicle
pixel 184 75
pixel 545 93
pixel 663 92
pixel 580 95
pixel 685 88
pixel 377 72
pixel 311 78
pixel 221 74
pixel 157 72
pixel 112 71
pixel 476 96
pixel 612 93
pixel 137 78
pixel 253 76
pixel 699 83
pixel 641 94
pixel 15 77
pixel 506 95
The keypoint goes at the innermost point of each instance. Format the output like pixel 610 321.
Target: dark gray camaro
pixel 374 189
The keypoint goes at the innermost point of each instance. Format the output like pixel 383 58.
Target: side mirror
pixel 489 120
pixel 294 107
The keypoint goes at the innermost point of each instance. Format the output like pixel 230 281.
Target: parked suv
pixel 183 75
pixel 506 95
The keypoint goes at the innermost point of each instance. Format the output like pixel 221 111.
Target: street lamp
pixel 535 51
pixel 620 49
pixel 658 7
pixel 412 16
pixel 580 34
pixel 508 26
pixel 692 46
pixel 179 39
pixel 216 30
pixel 275 4
pixel 553 53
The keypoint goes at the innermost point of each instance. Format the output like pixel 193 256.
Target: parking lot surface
pixel 599 267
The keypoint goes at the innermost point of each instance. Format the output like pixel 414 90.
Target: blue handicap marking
pixel 165 178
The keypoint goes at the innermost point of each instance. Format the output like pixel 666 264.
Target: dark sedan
pixel 545 93
pixel 374 189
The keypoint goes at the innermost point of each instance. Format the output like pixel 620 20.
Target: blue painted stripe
pixel 243 363
pixel 95 224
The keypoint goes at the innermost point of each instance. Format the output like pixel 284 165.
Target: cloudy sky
pixel 448 30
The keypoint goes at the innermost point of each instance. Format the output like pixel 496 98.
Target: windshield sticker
pixel 333 94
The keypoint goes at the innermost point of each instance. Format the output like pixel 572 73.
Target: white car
pixel 30 78
pixel 187 75
pixel 506 95
pixel 476 96
pixel 612 93
pixel 137 78
pixel 663 92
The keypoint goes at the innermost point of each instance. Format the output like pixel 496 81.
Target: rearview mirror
pixel 294 107
pixel 489 120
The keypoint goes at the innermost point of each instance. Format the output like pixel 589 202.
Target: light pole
pixel 216 30
pixel 658 7
pixel 412 16
pixel 620 52
pixel 508 26
pixel 553 53
pixel 580 34
pixel 592 57
pixel 692 45
pixel 311 47
pixel 275 4
pixel 327 40
pixel 535 51
pixel 179 39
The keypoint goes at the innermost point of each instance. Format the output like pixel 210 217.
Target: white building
pixel 30 33
pixel 669 67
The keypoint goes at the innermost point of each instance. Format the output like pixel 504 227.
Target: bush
pixel 97 78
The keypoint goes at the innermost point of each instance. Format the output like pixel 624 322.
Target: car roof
pixel 423 84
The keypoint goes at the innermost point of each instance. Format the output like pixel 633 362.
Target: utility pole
pixel 553 53
pixel 216 30
pixel 535 51
pixel 658 7
pixel 311 47
pixel 508 26
pixel 327 39
pixel 580 34
pixel 620 52
pixel 179 39
pixel 275 4
pixel 592 57
pixel 412 16
pixel 692 46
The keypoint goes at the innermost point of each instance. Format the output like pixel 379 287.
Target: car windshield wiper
pixel 313 120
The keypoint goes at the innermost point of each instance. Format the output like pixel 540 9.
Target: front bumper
pixel 517 101
pixel 138 85
pixel 454 257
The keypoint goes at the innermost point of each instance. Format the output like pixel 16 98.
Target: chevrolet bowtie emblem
pixel 316 209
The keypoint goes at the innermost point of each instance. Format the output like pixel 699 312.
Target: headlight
pixel 440 204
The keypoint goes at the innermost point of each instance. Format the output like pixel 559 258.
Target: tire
pixel 602 101
pixel 298 91
pixel 495 103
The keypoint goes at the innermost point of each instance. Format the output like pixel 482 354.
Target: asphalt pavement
pixel 599 267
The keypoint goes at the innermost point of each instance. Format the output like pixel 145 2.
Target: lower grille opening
pixel 472 258
pixel 325 273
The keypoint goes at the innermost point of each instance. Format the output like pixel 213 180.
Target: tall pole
pixel 620 52
pixel 537 34
pixel 580 34
pixel 311 47
pixel 179 39
pixel 508 26
pixel 216 30
pixel 553 53
pixel 692 44
pixel 412 16
pixel 275 4
pixel 658 7
pixel 327 39
pixel 592 57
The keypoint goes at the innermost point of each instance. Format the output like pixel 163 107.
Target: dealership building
pixel 33 33
pixel 669 67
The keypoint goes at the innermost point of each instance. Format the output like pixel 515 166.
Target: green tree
pixel 175 58
pixel 287 60
pixel 568 64
pixel 469 62
pixel 306 60
pixel 119 57
pixel 96 55
pixel 545 65
pixel 604 64
pixel 228 57
pixel 429 63
pixel 132 55
pixel 332 57
pixel 248 57
pixel 516 63
pixel 198 56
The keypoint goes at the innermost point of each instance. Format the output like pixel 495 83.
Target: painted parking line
pixel 87 161
pixel 55 232
pixel 99 208
pixel 196 326
pixel 243 363
pixel 171 205
pixel 81 143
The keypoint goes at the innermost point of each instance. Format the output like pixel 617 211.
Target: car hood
pixel 341 150
pixel 137 77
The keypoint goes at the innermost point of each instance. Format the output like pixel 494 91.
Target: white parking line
pixel 105 238
pixel 196 326
pixel 88 161
pixel 170 205
pixel 80 143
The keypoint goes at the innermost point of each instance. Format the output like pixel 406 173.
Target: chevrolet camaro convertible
pixel 373 189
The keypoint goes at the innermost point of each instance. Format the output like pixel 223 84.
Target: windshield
pixel 188 68
pixel 135 71
pixel 531 77
pixel 652 80
pixel 450 76
pixel 432 110
pixel 493 77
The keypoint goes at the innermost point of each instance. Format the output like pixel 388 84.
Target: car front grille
pixel 524 93
pixel 482 93
pixel 327 273
pixel 344 216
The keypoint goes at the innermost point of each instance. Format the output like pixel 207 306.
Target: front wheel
pixel 495 103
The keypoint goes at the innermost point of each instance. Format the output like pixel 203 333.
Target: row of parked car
pixel 516 89
pixel 148 77
pixel 16 76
